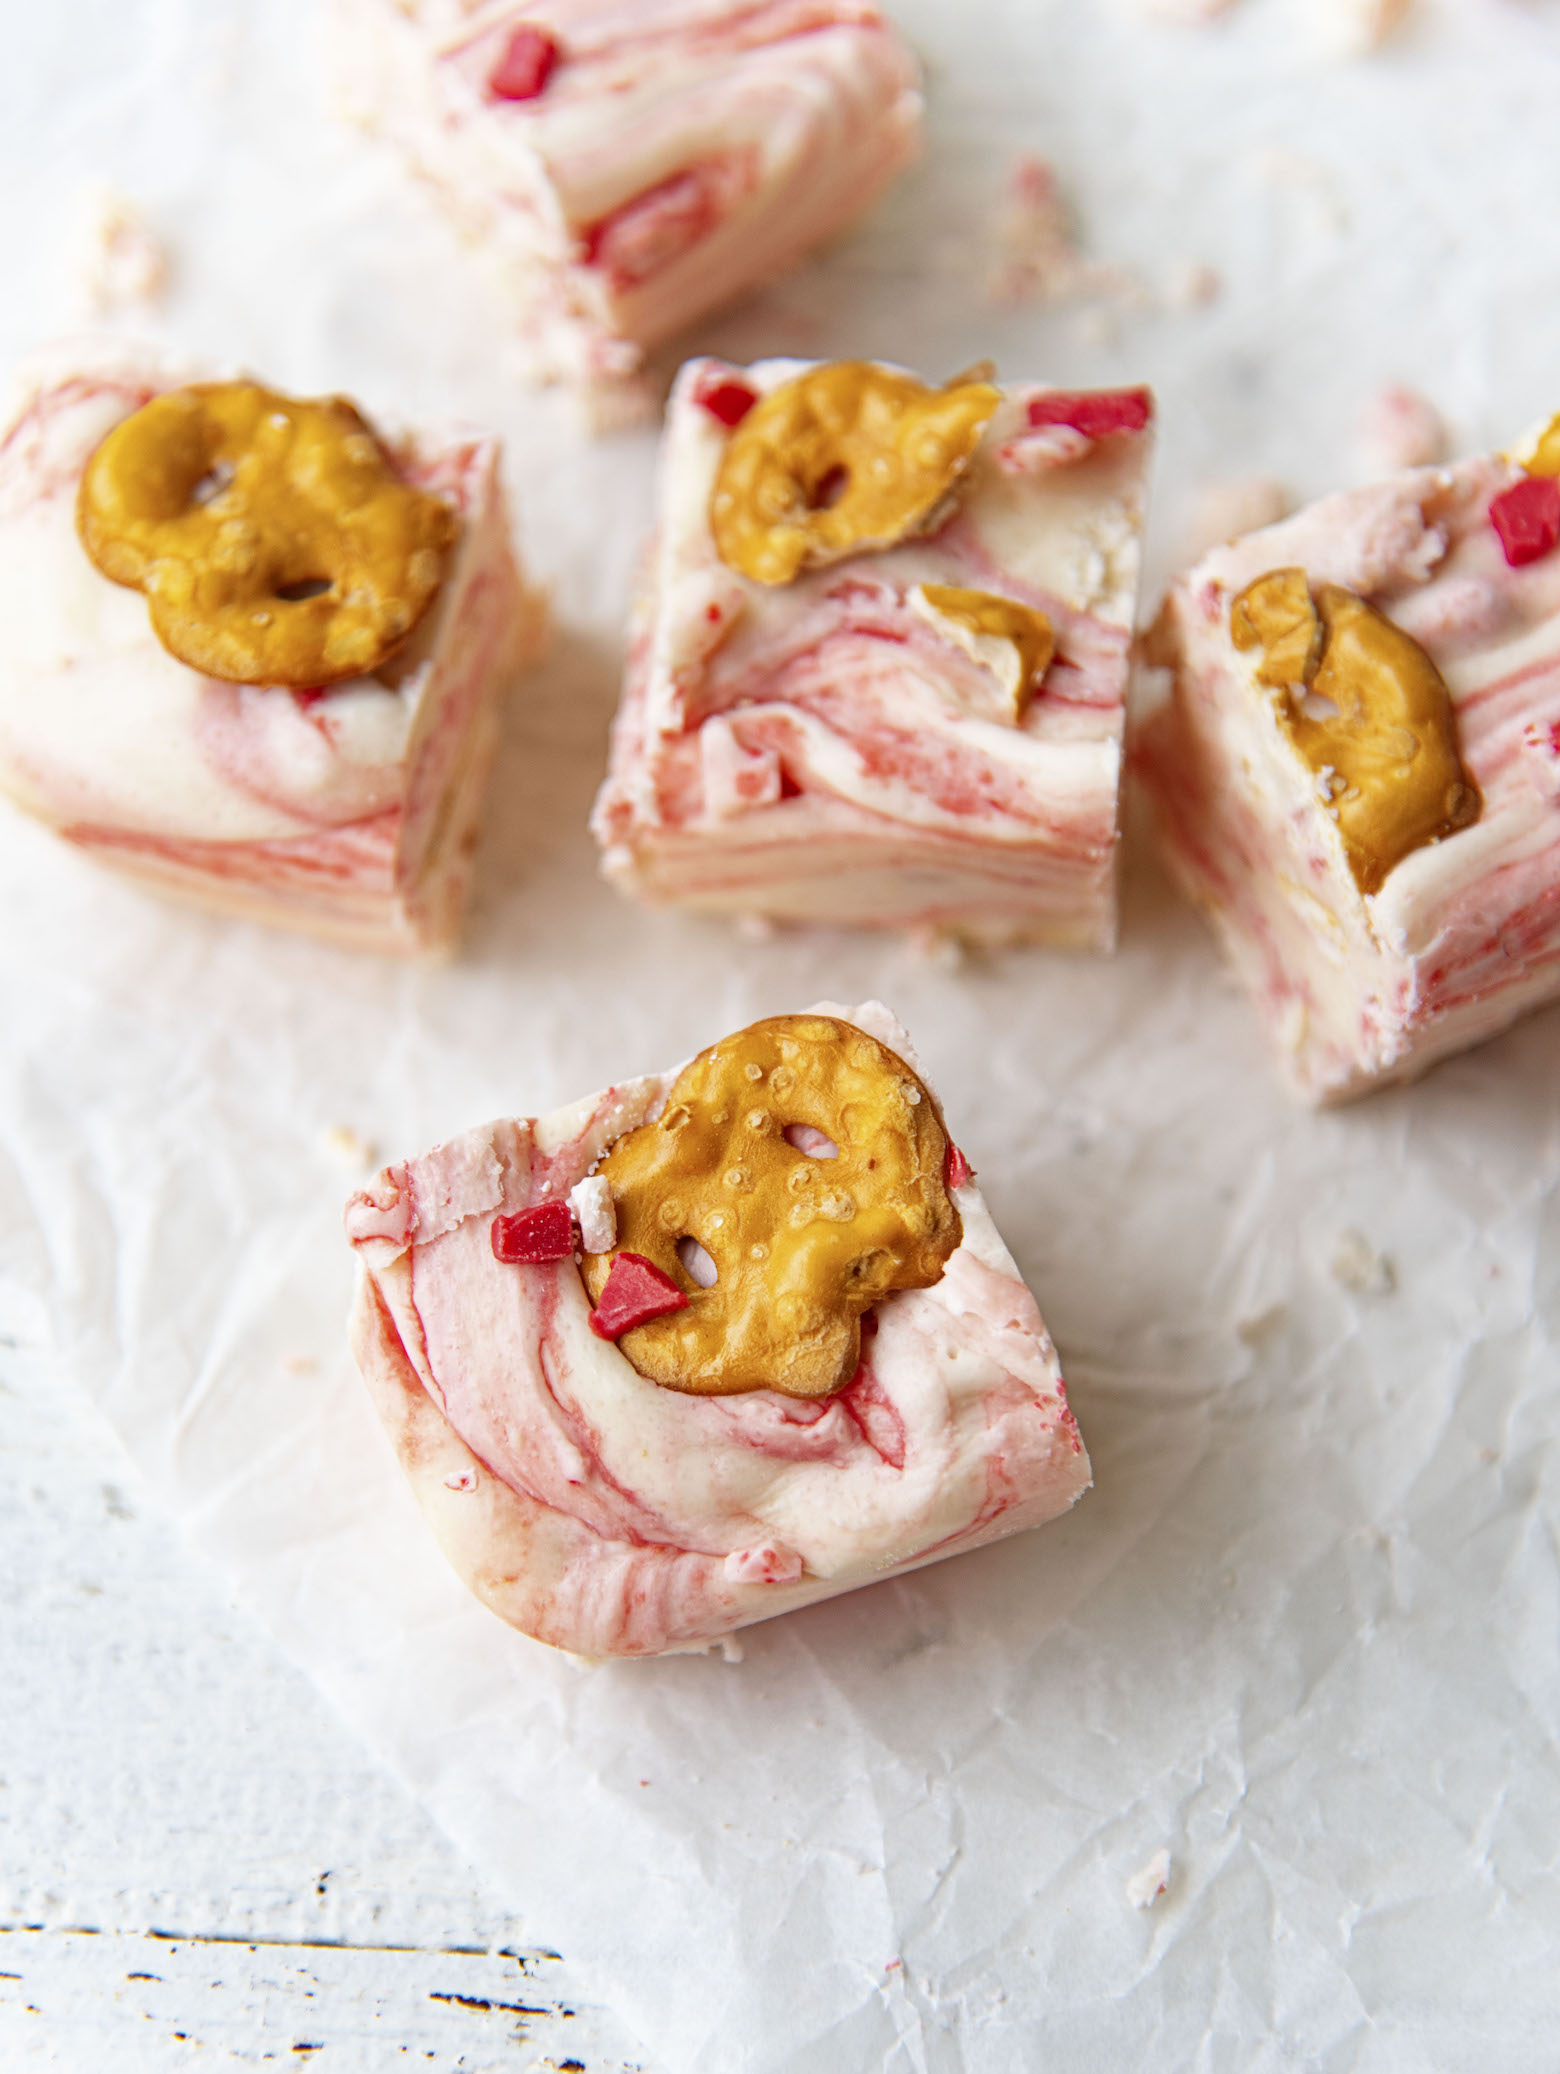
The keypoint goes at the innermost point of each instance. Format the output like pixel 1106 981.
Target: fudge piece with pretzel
pixel 626 170
pixel 255 655
pixel 711 1345
pixel 1356 763
pixel 879 665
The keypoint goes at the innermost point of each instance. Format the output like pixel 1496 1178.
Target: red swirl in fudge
pixel 627 169
pixel 347 809
pixel 861 742
pixel 1363 977
pixel 607 1514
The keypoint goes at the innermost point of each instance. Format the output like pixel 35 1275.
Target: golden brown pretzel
pixel 272 538
pixel 802 1246
pixel 846 457
pixel 1368 711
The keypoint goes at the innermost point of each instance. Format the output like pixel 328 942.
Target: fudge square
pixel 878 666
pixel 1357 765
pixel 710 1345
pixel 628 169
pixel 315 757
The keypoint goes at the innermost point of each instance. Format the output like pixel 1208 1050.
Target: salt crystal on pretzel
pixel 922 726
pixel 1367 969
pixel 611 1514
pixel 625 171
pixel 347 809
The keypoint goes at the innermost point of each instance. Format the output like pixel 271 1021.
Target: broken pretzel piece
pixel 1013 643
pixel 1369 712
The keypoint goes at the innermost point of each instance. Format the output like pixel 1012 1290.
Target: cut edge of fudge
pixel 769 803
pixel 593 298
pixel 396 879
pixel 1359 988
pixel 554 1573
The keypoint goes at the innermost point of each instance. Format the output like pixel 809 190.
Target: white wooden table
pixel 199 1866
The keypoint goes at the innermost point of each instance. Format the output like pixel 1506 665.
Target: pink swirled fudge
pixel 838 747
pixel 1361 978
pixel 608 1515
pixel 350 810
pixel 628 167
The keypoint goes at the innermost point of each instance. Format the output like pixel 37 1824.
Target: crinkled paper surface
pixel 1305 1633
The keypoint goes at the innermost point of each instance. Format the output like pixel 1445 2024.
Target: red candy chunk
pixel 526 66
pixel 1094 412
pixel 544 1232
pixel 1527 518
pixel 728 401
pixel 635 1291
pixel 957 1170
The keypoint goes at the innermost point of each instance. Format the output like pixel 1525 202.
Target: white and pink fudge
pixel 825 751
pixel 350 812
pixel 1359 988
pixel 606 1515
pixel 627 168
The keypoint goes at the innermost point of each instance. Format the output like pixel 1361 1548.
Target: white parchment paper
pixel 1305 1634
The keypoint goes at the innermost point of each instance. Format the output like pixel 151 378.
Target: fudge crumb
pixel 351 1150
pixel 1225 510
pixel 1194 286
pixel 1256 1330
pixel 1401 429
pixel 1355 28
pixel 1358 1266
pixel 1145 1887
pixel 1349 27
pixel 1190 12
pixel 1038 258
pixel 124 264
pixel 730 1649
pixel 943 950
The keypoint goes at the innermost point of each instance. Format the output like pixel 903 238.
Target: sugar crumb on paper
pixel 1356 1265
pixel 1401 429
pixel 1346 28
pixel 123 263
pixel 1356 28
pixel 1150 1881
pixel 349 1148
pixel 1038 256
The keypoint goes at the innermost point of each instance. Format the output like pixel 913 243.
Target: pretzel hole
pixel 829 488
pixel 1316 705
pixel 697 1264
pixel 212 483
pixel 305 587
pixel 815 1143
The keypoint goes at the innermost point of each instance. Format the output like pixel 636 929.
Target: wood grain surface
pixel 199 1867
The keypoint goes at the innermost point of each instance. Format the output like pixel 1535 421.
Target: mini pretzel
pixel 847 457
pixel 1368 711
pixel 802 1246
pixel 272 537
